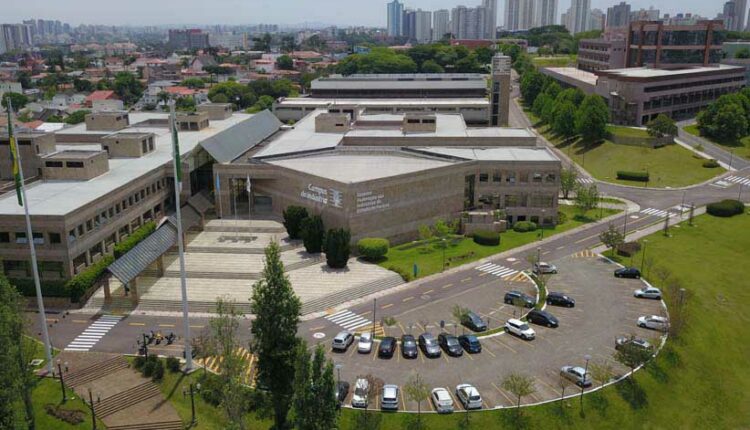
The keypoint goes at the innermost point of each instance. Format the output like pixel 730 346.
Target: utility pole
pixel 625 226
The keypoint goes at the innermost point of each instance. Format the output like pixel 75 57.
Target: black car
pixel 542 318
pixel 473 322
pixel 342 390
pixel 628 272
pixel 450 344
pixel 511 297
pixel 387 347
pixel 409 346
pixel 560 299
pixel 470 343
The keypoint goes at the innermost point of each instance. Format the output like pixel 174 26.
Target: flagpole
pixel 30 238
pixel 217 194
pixel 180 245
pixel 249 189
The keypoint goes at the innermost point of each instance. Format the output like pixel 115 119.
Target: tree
pixel 662 126
pixel 194 83
pixel 185 104
pixel 677 298
pixel 540 104
pixel 337 247
pixel 601 372
pixel 225 327
pixel 262 43
pixel 83 85
pixel 573 95
pixel 285 62
pixel 232 92
pixel 612 237
pixel 459 313
pixel 367 421
pixel 563 383
pixel 564 122
pixel 314 398
pixel 263 103
pixel 312 233
pixel 731 123
pixel 592 118
pixel 587 198
pixel 418 391
pixel 532 83
pixel 520 386
pixel 77 117
pixel 16 99
pixel 127 87
pixel 425 234
pixel 293 216
pixel 274 333
pixel 743 54
pixel 568 180
pixel 631 356
pixel 430 66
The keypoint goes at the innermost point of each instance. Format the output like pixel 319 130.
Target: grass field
pixel 555 61
pixel 741 148
pixel 464 250
pixel 627 131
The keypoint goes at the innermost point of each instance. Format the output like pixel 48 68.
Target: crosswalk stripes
pixel 721 184
pixel 655 212
pixel 93 333
pixel 585 181
pixel 738 180
pixel 586 253
pixel 348 320
pixel 497 270
pixel 520 277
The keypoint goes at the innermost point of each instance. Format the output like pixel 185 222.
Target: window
pixel 38 238
pixel 111 212
pixel 4 237
pixel 117 208
pixel 536 177
pixel 496 177
pixel 511 201
pixel 89 225
pixel 53 164
pixel 510 178
pixel 74 164
pixel 550 178
pixel 80 230
pixel 21 237
pixel 483 177
pixel 55 238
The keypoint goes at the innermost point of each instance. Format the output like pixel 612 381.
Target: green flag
pixel 14 157
pixel 176 153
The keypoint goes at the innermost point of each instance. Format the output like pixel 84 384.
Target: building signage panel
pixel 369 201
pixel 325 196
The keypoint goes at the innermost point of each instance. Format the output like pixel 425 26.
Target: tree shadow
pixel 413 422
pixel 657 372
pixel 598 401
pixel 511 418
pixel 633 393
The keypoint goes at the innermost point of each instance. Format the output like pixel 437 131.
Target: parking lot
pixel 605 309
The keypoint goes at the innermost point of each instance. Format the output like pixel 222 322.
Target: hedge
pixel 80 283
pixel 632 176
pixel 405 275
pixel 524 226
pixel 293 216
pixel 487 238
pixel 337 247
pixel 725 208
pixel 49 288
pixel 628 249
pixel 134 239
pixel 373 248
pixel 711 164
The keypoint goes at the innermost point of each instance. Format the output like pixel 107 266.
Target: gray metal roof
pixel 130 265
pixel 229 144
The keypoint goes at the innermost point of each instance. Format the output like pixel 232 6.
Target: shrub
pixel 173 364
pixel 293 216
pixel 632 176
pixel 562 217
pixel 157 373
pixel 628 249
pixel 405 275
pixel 148 368
pixel 70 416
pixel 134 239
pixel 487 238
pixel 49 288
pixel 139 361
pixel 373 248
pixel 313 233
pixel 726 208
pixel 337 247
pixel 78 285
pixel 524 226
pixel 711 164
pixel 211 390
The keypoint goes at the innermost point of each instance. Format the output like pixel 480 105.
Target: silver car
pixel 389 399
pixel 576 374
pixel 442 401
pixel 648 293
pixel 342 341
pixel 544 268
pixel 653 322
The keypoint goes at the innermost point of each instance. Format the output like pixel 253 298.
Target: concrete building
pixel 440 24
pixel 579 16
pixel 417 85
pixel 423 26
pixel 500 91
pixel 10 87
pixel 395 19
pixel 469 23
pixel 649 14
pixel 597 19
pixel 520 14
pixel 545 13
pixel 618 15
pixel 601 54
pixel 188 40
pixel 729 14
pixel 652 43
pixel 490 25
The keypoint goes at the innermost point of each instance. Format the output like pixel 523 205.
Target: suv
pixel 389 399
pixel 342 341
pixel 429 345
pixel 359 397
pixel 470 343
pixel 342 390
pixel 513 296
pixel 628 272
pixel 387 347
pixel 576 374
pixel 450 344
pixel 520 329
pixel 364 346
pixel 653 322
pixel 560 299
pixel 474 322
pixel 648 293
pixel 409 346
pixel 622 342
pixel 544 268
pixel 542 318
pixel 468 396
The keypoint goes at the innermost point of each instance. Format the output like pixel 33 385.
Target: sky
pixel 336 12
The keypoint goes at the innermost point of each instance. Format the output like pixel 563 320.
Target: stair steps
pixel 126 399
pixel 96 371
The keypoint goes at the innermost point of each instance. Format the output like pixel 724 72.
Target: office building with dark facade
pixel 656 44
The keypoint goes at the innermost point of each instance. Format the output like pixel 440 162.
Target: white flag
pixel 248 185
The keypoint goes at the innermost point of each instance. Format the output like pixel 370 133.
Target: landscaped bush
pixel 211 390
pixel 173 364
pixel 373 248
pixel 139 362
pixel 487 238
pixel 632 176
pixel 562 217
pixel 49 288
pixel 406 276
pixel 726 208
pixel 337 247
pixel 70 416
pixel 312 233
pixel 628 249
pixel 293 216
pixel 78 285
pixel 524 226
pixel 157 374
pixel 134 239
pixel 711 164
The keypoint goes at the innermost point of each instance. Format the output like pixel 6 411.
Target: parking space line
pixel 535 397
pixel 490 352
pixel 548 386
pixel 352 349
pixel 422 357
pixel 374 355
pixel 470 357
pixel 502 393
pixel 445 356
pixel 446 286
pixel 407 299
pixel 498 341
pixel 386 306
pixel 403 403
pixel 429 402
pixel 458 404
pixel 402 328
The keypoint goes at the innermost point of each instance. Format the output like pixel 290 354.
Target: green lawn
pixel 627 131
pixel 556 61
pixel 741 148
pixel 464 250
pixel 701 380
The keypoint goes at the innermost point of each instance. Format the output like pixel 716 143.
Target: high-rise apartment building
pixel 545 13
pixel 423 26
pixel 597 19
pixel 469 23
pixel 649 14
pixel 734 14
pixel 490 26
pixel 395 19
pixel 521 14
pixel 16 37
pixel 579 16
pixel 188 39
pixel 440 24
pixel 618 15
pixel 410 24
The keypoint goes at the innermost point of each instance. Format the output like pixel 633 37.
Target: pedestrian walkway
pixel 654 212
pixel 585 181
pixel 93 333
pixel 348 320
pixel 497 270
pixel 738 180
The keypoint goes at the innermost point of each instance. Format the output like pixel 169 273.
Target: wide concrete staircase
pixel 331 300
pixel 95 371
pixel 167 425
pixel 126 399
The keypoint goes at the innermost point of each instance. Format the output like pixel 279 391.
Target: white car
pixel 389 399
pixel 653 322
pixel 520 329
pixel 648 293
pixel 442 401
pixel 359 397
pixel 544 268
pixel 468 396
pixel 364 346
pixel 576 374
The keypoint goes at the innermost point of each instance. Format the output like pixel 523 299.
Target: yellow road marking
pixel 466 279
pixel 365 313
pixel 166 325
pixel 407 299
pixel 137 324
pixel 482 274
pixel 318 328
pixel 549 386
pixel 490 352
pixel 469 355
pixel 196 326
pixel 80 321
pixel 386 306
pixel 447 286
pixel 428 291
pixel 503 344
pixel 403 403
pixel 352 349
pixel 402 328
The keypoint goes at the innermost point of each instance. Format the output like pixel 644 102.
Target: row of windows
pixel 511 177
pixel 654 89
pixel 73 164
pixel 21 237
pixel 687 98
pixel 498 201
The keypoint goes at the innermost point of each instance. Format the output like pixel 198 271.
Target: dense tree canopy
pixel 728 118
pixel 285 62
pixel 127 87
pixel 592 118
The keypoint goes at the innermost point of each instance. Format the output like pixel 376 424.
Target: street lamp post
pixel 585 373
pixel 445 245
pixel 338 373
pixel 625 226
pixel 93 411
pixel 739 197
pixel 62 382
pixel 544 211
pixel 192 403
pixel 374 304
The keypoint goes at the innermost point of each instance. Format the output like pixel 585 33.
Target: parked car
pixel 429 345
pixel 450 344
pixel 473 322
pixel 359 397
pixel 648 293
pixel 653 322
pixel 513 296
pixel 342 390
pixel 364 346
pixel 389 399
pixel 468 396
pixel 542 318
pixel 342 341
pixel 442 401
pixel 628 272
pixel 576 374
pixel 560 299
pixel 409 346
pixel 544 268
pixel 470 343
pixel 621 342
pixel 387 347
pixel 520 329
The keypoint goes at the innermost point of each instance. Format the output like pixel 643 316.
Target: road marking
pixel 81 321
pixel 318 328
pixel 503 344
pixel 429 291
pixel 196 326
pixel 502 393
pixel 137 324
pixel 490 352
pixel 738 180
pixel 655 212
pixel 496 270
pixel 93 333
pixel 466 279
pixel 407 299
pixel 483 274
pixel 348 320
pixel 386 306
pixel 548 386
pixel 470 357
pixel 446 286
pixel 166 325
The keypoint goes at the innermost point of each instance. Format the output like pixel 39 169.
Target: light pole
pixel 585 374
pixel 625 226
pixel 338 373
pixel 544 211
pixel 739 197
pixel 643 256
pixel 374 304
pixel 538 255
pixel 93 411
pixel 445 245
pixel 62 382
pixel 192 403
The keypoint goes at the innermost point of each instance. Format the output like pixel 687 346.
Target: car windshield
pixel 523 326
pixel 472 340
pixel 475 398
pixel 409 342
pixel 360 391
